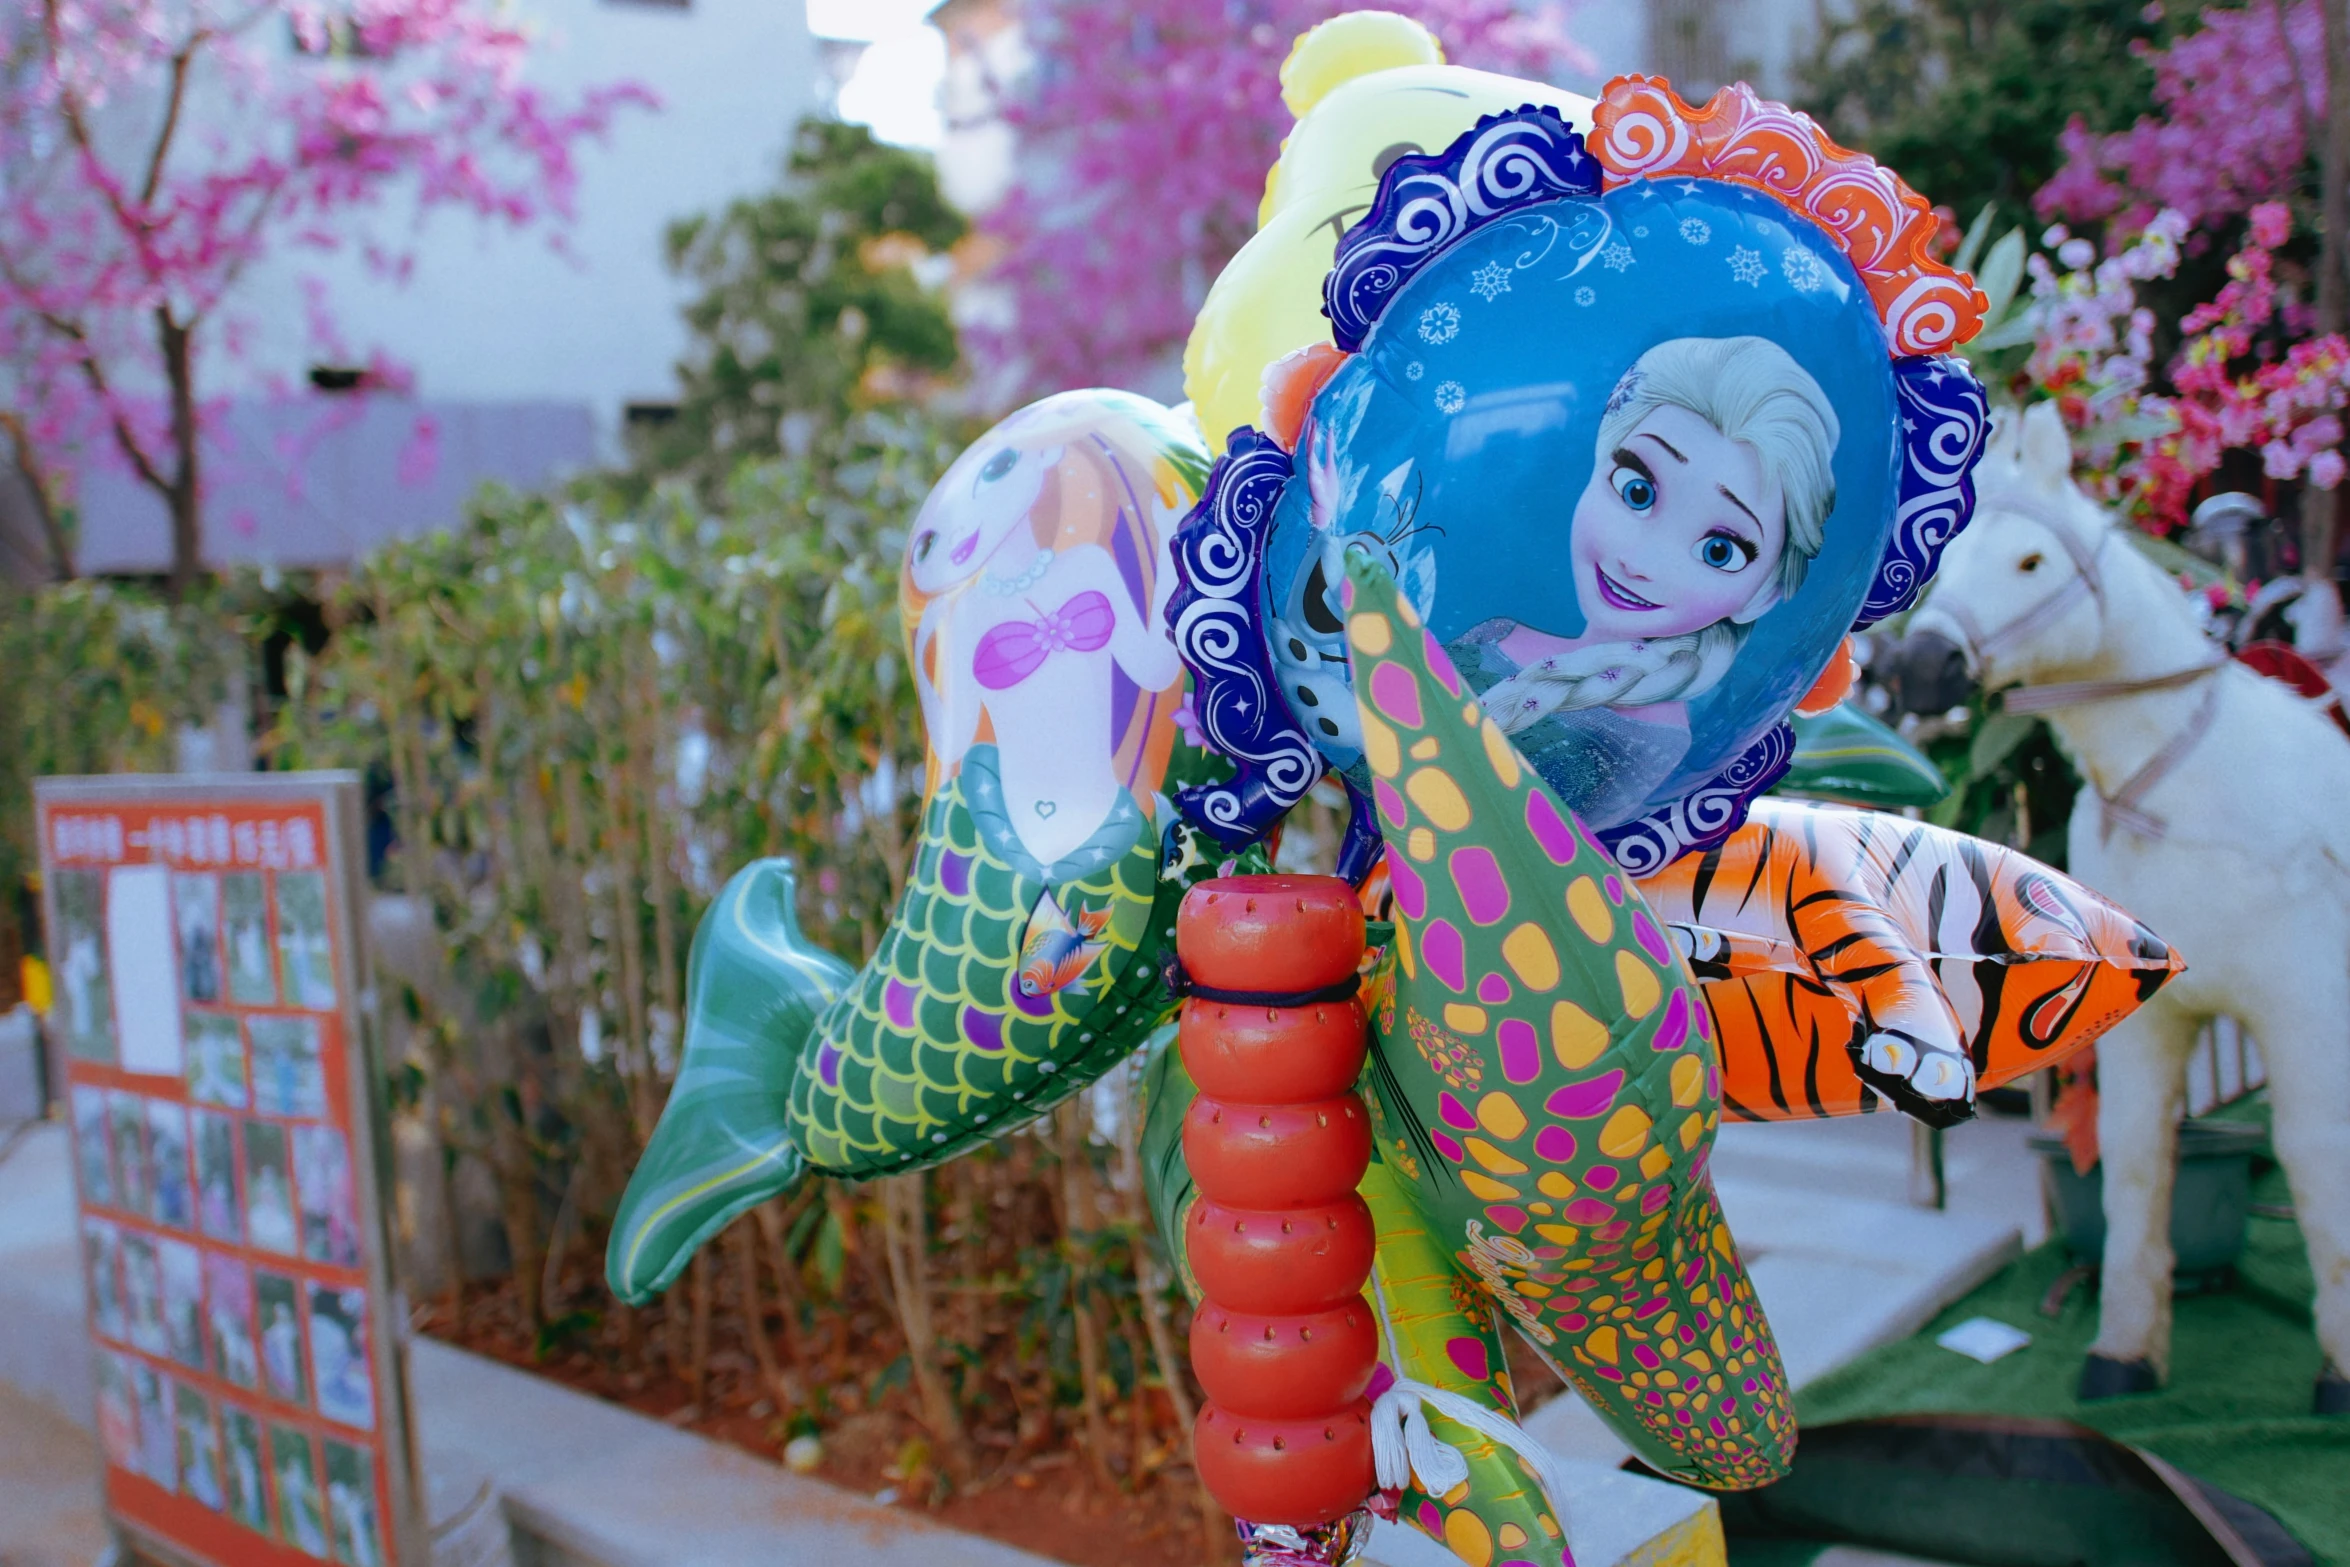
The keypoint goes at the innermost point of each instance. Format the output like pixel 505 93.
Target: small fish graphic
pixel 1056 950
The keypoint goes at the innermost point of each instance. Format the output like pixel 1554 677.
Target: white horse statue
pixel 2216 808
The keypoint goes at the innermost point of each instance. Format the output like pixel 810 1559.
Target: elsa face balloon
pixel 1633 457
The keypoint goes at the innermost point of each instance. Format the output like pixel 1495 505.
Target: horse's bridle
pixel 2120 808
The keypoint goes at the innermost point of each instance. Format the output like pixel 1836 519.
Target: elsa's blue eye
pixel 1725 552
pixel 1637 489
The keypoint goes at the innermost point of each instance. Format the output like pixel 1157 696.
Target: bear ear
pixel 1349 46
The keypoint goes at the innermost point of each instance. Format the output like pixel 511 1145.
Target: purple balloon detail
pixel 985 1030
pixel 1588 1210
pixel 1454 1112
pixel 1506 1217
pixel 1484 894
pixel 1469 1354
pixel 897 1003
pixel 828 1066
pixel 1600 1178
pixel 1615 1231
pixel 1649 1309
pixel 1655 1197
pixel 1581 1101
pixel 1573 1322
pixel 954 874
pixel 1556 835
pixel 1431 1521
pixel 1440 949
pixel 1395 693
pixel 1649 1359
pixel 1382 1378
pixel 1391 808
pixel 1411 893
pixel 1705 1030
pixel 1521 1050
pixel 1446 1146
pixel 1651 940
pixel 1555 1144
pixel 1440 663
pixel 1673 1032
pixel 1494 991
pixel 1615 889
pixel 1028 1005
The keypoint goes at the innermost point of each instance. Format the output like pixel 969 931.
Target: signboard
pixel 252 1401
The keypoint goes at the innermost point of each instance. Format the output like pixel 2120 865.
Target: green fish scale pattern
pixel 930 1052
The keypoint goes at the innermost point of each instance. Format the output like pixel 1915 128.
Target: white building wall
pixel 492 316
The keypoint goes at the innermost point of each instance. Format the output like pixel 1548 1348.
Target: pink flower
pixel 2272 224
pixel 2325 470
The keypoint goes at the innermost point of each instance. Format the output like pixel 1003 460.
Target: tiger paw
pixel 1928 1082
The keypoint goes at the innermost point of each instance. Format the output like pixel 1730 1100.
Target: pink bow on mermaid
pixel 1011 652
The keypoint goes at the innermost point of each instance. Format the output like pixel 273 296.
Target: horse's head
pixel 2019 596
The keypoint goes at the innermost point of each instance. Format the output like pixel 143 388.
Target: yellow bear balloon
pixel 1367 88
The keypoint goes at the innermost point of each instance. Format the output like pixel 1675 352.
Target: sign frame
pixel 155 1523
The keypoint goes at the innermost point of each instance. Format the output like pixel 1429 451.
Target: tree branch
pixel 28 468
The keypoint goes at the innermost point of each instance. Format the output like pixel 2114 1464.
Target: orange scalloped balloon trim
pixel 1644 130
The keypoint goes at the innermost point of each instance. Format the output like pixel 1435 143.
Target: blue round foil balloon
pixel 1634 457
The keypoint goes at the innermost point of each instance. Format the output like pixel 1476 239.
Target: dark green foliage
pixel 808 306
pixel 1966 98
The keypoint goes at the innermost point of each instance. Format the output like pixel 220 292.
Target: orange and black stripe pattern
pixel 1814 929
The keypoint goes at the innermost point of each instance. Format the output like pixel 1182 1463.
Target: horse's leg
pixel 2301 1038
pixel 2141 1079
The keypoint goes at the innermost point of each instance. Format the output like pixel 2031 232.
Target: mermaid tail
pixel 1544 1077
pixel 754 987
pixel 939 1045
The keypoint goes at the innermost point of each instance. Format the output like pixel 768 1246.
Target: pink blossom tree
pixel 153 151
pixel 2242 104
pixel 1147 128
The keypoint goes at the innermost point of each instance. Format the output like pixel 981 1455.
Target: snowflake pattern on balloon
pixel 1414 370
pixel 1803 269
pixel 1451 396
pixel 1440 323
pixel 1696 230
pixel 1616 257
pixel 1746 265
pixel 1490 279
pixel 1586 295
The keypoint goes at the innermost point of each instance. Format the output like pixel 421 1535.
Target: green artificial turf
pixel 2236 1412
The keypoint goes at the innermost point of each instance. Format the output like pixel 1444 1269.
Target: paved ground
pixel 1842 1259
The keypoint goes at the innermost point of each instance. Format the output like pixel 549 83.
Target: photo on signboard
pixel 142 957
pixel 91 1150
pixel 142 1295
pixel 174 1195
pixel 350 1495
pixel 228 1320
pixel 127 1115
pixel 85 1001
pixel 216 1059
pixel 183 1302
pixel 252 977
pixel 305 951
pixel 269 1190
pixel 289 1068
pixel 281 1337
pixel 118 1417
pixel 157 1456
pixel 195 905
pixel 330 1212
pixel 217 1214
pixel 240 1441
pixel 199 1449
pixel 301 1511
pixel 102 1265
pixel 338 1355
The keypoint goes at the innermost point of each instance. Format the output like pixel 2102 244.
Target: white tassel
pixel 1403 1448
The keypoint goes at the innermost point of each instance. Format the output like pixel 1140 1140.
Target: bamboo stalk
pixel 1077 1183
pixel 743 1241
pixel 906 1240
